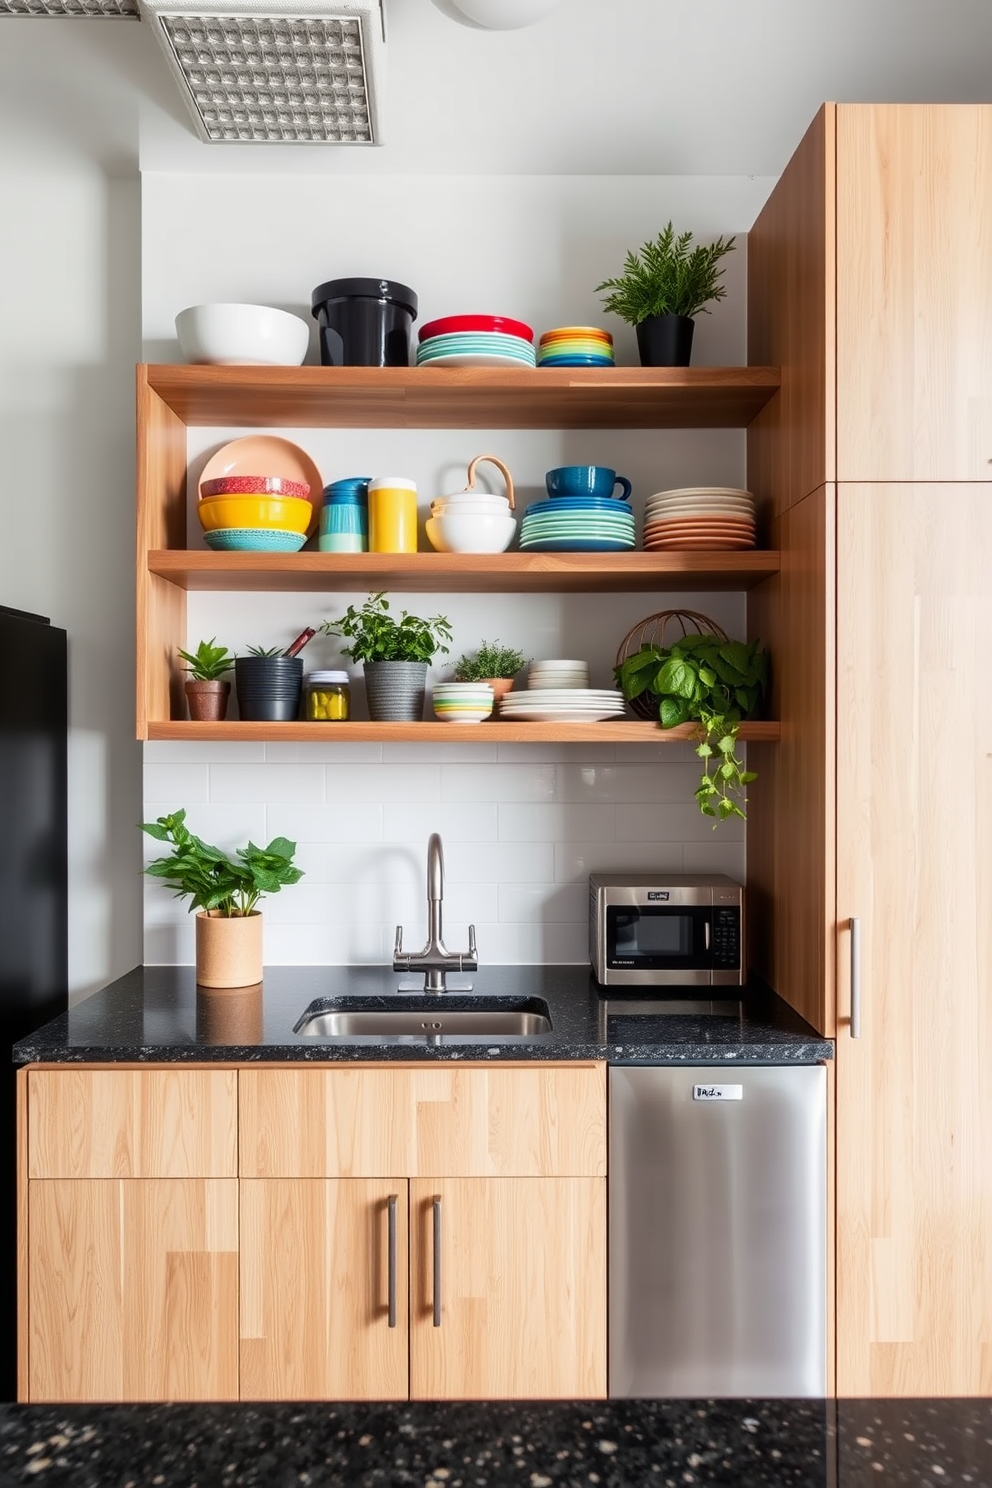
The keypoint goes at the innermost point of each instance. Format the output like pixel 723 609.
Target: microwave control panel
pixel 726 939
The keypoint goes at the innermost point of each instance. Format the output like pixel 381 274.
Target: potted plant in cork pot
pixel 224 892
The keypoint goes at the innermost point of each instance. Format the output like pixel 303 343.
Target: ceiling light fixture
pixel 263 72
pixel 503 15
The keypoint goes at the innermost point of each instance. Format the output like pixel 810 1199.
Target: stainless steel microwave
pixel 666 932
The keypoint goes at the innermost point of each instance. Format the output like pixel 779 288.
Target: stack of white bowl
pixel 471 522
pixel 558 674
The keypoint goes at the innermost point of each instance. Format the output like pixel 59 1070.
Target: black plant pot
pixel 268 688
pixel 665 340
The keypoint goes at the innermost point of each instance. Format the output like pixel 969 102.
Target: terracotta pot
pixel 229 1015
pixel 500 686
pixel 228 949
pixel 207 701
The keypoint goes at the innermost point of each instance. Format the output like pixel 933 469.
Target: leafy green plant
pixel 208 662
pixel 713 682
pixel 491 660
pixel 209 878
pixel 376 636
pixel 665 277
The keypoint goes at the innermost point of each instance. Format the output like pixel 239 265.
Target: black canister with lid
pixel 364 322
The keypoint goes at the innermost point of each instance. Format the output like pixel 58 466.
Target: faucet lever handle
pixel 473 952
pixel 398 942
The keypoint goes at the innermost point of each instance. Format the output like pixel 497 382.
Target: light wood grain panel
pixel 161 523
pixel 486 1121
pixel 914 821
pixel 790 318
pixel 462 573
pixel 170 1123
pixel 465 397
pixel 523 1289
pixel 914 313
pixel 314 1290
pixel 791 839
pixel 23 1252
pixel 622 731
pixel 133 1290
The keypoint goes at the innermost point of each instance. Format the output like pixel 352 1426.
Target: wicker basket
pixel 653 632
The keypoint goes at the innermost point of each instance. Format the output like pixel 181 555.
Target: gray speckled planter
pixel 395 690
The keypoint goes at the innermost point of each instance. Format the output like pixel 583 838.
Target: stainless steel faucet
pixel 435 960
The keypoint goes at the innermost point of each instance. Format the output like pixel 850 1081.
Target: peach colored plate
pixel 266 454
pixel 699 544
pixel 702 529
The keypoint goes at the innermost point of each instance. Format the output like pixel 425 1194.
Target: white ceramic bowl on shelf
pixel 478 533
pixel 242 336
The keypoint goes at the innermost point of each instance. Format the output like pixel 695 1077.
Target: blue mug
pixel 586 480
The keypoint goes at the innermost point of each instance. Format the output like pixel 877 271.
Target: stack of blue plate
pixel 578 524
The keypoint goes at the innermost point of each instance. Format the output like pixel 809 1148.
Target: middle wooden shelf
pixel 498 573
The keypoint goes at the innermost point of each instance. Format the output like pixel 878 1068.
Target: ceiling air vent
pixel 276 77
pixel 108 10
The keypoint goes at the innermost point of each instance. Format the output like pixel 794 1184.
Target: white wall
pixel 522 825
pixel 69 311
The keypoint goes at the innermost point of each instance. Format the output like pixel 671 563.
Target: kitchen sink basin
pixel 441 1015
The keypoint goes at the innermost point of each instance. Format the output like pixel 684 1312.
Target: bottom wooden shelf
pixel 618 731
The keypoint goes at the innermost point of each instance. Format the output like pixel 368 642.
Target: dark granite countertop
pixel 616 1444
pixel 157 1014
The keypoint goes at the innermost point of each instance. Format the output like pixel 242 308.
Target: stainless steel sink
pixel 444 1015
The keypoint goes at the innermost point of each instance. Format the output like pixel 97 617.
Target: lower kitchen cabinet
pixel 324 1289
pixel 509 1288
pixel 133 1289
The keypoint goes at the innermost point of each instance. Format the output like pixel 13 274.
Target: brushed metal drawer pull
pixel 392 1259
pixel 436 1205
pixel 855 977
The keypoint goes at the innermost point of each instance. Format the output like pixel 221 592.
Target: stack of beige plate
pixel 699 517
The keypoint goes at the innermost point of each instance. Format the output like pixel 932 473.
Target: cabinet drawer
pixel 132 1123
pixel 541 1120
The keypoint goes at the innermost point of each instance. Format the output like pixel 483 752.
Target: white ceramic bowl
pixel 482 506
pixel 470 534
pixel 242 335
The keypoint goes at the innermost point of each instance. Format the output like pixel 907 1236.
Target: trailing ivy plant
pixel 209 878
pixel 665 277
pixel 375 634
pixel 713 682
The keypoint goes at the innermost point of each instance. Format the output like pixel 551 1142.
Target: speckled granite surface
pixel 156 1013
pixel 620 1444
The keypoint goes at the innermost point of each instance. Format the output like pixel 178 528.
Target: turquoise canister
pixel 344 516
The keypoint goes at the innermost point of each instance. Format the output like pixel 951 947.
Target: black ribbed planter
pixel 665 340
pixel 268 688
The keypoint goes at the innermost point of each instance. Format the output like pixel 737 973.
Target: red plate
pixel 254 485
pixel 450 324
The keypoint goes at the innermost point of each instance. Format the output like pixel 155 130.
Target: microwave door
pixel 659 938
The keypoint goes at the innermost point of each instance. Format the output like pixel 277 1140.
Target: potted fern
pixel 493 663
pixel 663 286
pixel 207 690
pixel 224 892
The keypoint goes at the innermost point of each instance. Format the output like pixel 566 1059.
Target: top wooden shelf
pixel 465 397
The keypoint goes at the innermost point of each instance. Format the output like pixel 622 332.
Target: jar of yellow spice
pixel 327 697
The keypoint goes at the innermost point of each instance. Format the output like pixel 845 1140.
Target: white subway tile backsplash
pixel 718 856
pixel 547 903
pixel 441 754
pixel 331 823
pixel 574 861
pixel 267 782
pixel 184 784
pixel 325 944
pixel 539 754
pixel 500 862
pixel 456 823
pixel 644 784
pixel 329 753
pixel 383 782
pixel 224 826
pixel 674 822
pixel 194 752
pixel 507 783
pixel 556 823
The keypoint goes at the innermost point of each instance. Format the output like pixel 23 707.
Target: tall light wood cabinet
pixel 876 464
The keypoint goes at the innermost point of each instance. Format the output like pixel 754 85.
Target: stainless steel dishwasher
pixel 717 1231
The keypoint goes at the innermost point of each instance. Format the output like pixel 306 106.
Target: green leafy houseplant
pixel 667 277
pixel 212 881
pixel 375 635
pixel 716 683
pixel 208 663
pixel 491 660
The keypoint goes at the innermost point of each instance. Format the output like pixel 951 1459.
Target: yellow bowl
pixel 285 513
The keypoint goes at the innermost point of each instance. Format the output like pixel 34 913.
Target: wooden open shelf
pixel 466 397
pixel 616 731
pixel 459 573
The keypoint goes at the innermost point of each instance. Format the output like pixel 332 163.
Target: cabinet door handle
pixel 391 1206
pixel 855 925
pixel 436 1205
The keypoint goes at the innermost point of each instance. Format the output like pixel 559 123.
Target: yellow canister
pixel 392 515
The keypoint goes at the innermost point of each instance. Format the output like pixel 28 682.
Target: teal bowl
pixel 254 540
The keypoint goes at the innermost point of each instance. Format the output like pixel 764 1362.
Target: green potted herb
pixel 224 892
pixel 395 655
pixel 493 663
pixel 716 683
pixel 663 285
pixel 207 691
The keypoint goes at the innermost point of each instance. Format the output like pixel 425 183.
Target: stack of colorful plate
pixel 699 517
pixel 463 702
pixel 562 704
pixel 476 341
pixel 578 524
pixel 575 346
